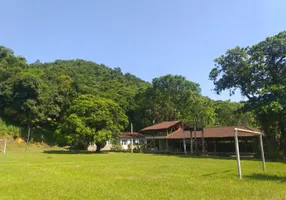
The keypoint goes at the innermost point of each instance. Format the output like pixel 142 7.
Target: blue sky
pixel 148 38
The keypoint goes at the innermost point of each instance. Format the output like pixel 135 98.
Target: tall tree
pixel 200 111
pixel 170 96
pixel 28 100
pixel 8 59
pixel 230 113
pixel 260 74
pixel 91 119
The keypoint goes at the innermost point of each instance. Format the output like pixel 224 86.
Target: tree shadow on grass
pixel 217 157
pixel 266 177
pixel 215 173
pixel 65 152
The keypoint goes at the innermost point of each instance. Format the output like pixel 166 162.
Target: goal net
pixel 236 133
pixel 3 145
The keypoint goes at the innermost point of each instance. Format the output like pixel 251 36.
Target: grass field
pixel 59 175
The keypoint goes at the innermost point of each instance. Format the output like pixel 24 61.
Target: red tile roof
pixel 216 132
pixel 130 135
pixel 161 126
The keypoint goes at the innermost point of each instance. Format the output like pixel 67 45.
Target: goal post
pixel 236 130
pixel 4 142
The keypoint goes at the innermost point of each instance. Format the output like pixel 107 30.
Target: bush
pixel 142 148
pixel 117 148
pixel 9 130
pixel 137 148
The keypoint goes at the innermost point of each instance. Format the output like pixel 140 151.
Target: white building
pixel 125 140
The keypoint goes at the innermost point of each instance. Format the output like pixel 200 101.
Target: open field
pixel 61 175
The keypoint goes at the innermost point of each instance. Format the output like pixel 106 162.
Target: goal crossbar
pixel 248 131
pixel 236 130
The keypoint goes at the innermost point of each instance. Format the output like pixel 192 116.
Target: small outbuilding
pixel 125 139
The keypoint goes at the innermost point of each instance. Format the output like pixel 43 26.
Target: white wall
pixel 124 143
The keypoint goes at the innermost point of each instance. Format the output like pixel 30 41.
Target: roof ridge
pixel 224 126
pixel 161 125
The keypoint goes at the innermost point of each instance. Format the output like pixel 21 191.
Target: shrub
pixel 117 148
pixel 9 130
pixel 138 148
pixel 142 148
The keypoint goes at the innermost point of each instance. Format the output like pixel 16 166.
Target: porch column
pixel 153 142
pixel 167 148
pixel 214 145
pixel 191 142
pixel 203 142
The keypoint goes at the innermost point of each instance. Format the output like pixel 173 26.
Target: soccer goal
pixel 236 131
pixel 3 145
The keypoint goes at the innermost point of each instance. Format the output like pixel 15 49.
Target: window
pixel 123 142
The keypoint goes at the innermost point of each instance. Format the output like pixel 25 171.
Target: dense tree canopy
pixel 91 119
pixel 260 74
pixel 200 111
pixel 85 102
pixel 167 99
pixel 231 113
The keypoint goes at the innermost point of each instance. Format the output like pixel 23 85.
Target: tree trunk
pixel 98 147
pixel 28 139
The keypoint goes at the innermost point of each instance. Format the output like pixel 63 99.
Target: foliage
pixel 9 130
pixel 167 99
pixel 92 119
pixel 137 148
pixel 171 96
pixel 116 148
pixel 39 94
pixel 260 74
pixel 41 97
pixel 230 113
pixel 8 60
pixel 140 148
pixel 200 111
pixel 95 79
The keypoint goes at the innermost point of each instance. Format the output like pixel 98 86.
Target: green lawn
pixel 36 175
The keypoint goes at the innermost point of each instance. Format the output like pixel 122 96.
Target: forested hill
pixel 96 79
pixel 78 101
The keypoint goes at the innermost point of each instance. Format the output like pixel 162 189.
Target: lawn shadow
pixel 215 173
pixel 243 156
pixel 266 177
pixel 217 157
pixel 72 152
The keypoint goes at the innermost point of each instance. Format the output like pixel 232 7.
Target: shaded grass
pixel 13 146
pixel 135 176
